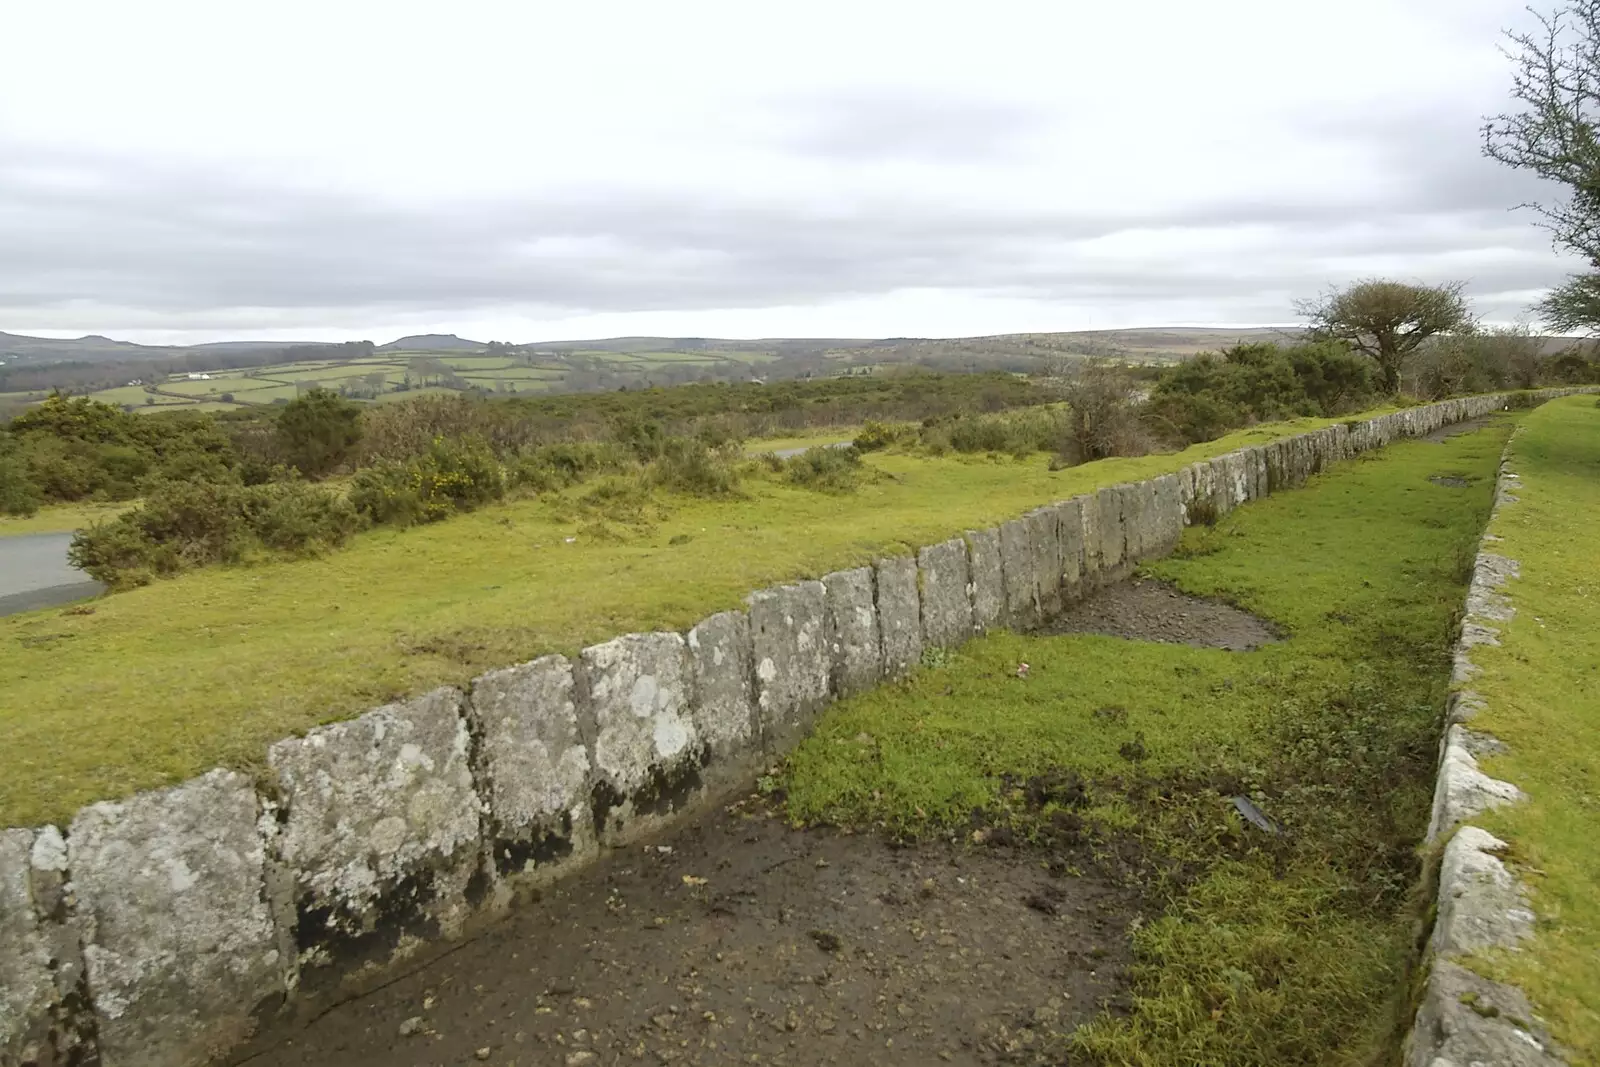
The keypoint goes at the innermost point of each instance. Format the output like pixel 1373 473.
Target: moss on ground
pixel 1292 949
pixel 159 684
pixel 1542 689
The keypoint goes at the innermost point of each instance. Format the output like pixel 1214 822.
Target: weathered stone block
pixel 899 614
pixel 1166 516
pixel 379 835
pixel 171 904
pixel 793 660
pixel 30 1002
pixel 647 751
pixel 1109 535
pixel 1044 538
pixel 988 579
pixel 1089 520
pixel 1019 571
pixel 533 771
pixel 1134 498
pixel 946 605
pixel 723 705
pixel 1069 528
pixel 857 651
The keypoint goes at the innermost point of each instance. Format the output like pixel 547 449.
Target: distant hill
pixel 92 347
pixel 432 342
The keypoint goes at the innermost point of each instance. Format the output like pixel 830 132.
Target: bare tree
pixel 1386 320
pixel 1556 82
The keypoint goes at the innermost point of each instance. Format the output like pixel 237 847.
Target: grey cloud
pixel 868 125
pixel 202 246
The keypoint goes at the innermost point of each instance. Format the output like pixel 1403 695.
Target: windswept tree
pixel 1386 320
pixel 1553 133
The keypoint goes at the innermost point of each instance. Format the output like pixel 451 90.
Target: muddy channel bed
pixel 798 947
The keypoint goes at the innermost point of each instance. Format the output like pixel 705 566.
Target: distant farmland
pixel 394 375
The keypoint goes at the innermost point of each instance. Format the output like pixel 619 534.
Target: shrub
pixel 18 494
pixel 1102 416
pixel 828 470
pixel 298 519
pixel 686 465
pixel 877 435
pixel 550 467
pixel 318 432
pixel 187 524
pixel 454 475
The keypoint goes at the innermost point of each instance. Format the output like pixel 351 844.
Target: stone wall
pixel 1463 1017
pixel 161 929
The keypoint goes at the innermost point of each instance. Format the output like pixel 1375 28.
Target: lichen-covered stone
pixel 533 771
pixel 1466 1020
pixel 987 578
pixel 1019 570
pixel 1166 515
pixel 379 835
pixel 1135 499
pixel 29 1000
pixel 1044 541
pixel 723 705
pixel 793 660
pixel 899 614
pixel 857 651
pixel 1089 521
pixel 946 604
pixel 178 939
pixel 1069 527
pixel 1108 533
pixel 647 751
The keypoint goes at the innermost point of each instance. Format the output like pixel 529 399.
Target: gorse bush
pixel 318 432
pixel 828 470
pixel 18 494
pixel 184 524
pixel 1204 397
pixel 454 475
pixel 548 468
pixel 877 435
pixel 74 448
pixel 687 465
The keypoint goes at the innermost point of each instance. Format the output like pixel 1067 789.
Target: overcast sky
pixel 173 172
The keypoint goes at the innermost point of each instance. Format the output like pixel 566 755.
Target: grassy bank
pixel 161 683
pixel 61 518
pixel 1260 949
pixel 1542 687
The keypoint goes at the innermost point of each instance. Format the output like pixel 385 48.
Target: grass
pixel 61 518
pixel 1542 687
pixel 808 439
pixel 1261 950
pixel 161 683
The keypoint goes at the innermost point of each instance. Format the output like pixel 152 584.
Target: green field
pixel 164 682
pixel 1252 949
pixel 1541 687
pixel 256 386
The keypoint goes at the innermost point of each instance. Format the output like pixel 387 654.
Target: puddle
pixel 1151 610
pixel 1450 481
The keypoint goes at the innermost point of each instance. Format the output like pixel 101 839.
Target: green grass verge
pixel 1261 950
pixel 161 683
pixel 1542 688
pixel 61 518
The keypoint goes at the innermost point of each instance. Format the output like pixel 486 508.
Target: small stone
pixel 483 1053
pixel 582 1056
pixel 411 1026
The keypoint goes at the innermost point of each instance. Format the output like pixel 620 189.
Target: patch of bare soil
pixel 739 940
pixel 1150 610
pixel 1444 433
